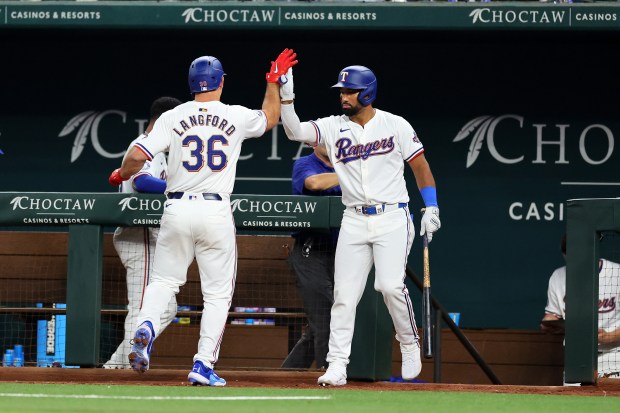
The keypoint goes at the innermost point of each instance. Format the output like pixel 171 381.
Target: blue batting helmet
pixel 205 74
pixel 359 78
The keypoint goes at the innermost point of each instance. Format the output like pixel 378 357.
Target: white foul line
pixel 591 183
pixel 219 398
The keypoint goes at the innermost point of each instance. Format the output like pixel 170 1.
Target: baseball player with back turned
pixel 203 138
pixel 136 245
pixel 367 147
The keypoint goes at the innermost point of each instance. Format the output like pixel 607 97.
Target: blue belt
pixel 206 196
pixel 377 209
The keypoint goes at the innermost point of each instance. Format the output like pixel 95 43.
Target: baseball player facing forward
pixel 608 312
pixel 136 245
pixel 367 147
pixel 203 138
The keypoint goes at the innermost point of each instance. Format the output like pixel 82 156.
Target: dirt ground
pixel 278 379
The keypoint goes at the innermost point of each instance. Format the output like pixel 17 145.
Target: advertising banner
pixel 244 15
pixel 268 213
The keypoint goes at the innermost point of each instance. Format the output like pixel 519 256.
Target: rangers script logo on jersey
pixel 346 153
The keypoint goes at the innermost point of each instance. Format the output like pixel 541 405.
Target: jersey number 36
pixel 216 159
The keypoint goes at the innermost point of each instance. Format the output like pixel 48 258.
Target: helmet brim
pixel 342 85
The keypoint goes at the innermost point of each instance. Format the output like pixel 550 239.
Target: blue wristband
pixel 429 195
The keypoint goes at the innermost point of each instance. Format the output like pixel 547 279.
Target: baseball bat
pixel 427 323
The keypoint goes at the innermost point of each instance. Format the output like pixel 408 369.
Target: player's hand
pixel 608 338
pixel 430 222
pixel 552 324
pixel 115 178
pixel 286 88
pixel 285 60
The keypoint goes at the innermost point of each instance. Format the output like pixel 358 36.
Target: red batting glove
pixel 285 61
pixel 115 178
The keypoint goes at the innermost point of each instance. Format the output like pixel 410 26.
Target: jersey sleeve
pixel 158 140
pixel 255 122
pixel 302 169
pixel 298 177
pixel 149 184
pixel 306 132
pixel 409 141
pixel 556 293
pixel 321 130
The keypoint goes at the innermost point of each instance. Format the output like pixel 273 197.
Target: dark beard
pixel 352 111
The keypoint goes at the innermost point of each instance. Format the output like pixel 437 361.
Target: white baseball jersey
pixel 369 159
pixel 608 311
pixel 203 141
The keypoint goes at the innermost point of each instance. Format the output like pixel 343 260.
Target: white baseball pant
pixel 384 240
pixel 204 229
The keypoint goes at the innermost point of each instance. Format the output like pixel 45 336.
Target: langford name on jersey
pixel 205 120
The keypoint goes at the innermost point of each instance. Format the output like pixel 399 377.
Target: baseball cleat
pixel 412 364
pixel 335 375
pixel 202 375
pixel 142 344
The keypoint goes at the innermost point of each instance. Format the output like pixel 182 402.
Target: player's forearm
pixel 271 105
pixel 321 182
pixel 132 163
pixel 609 337
pixel 547 328
pixel 549 316
pixel 422 172
pixel 130 168
pixel 294 129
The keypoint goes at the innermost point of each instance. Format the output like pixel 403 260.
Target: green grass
pixel 157 399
